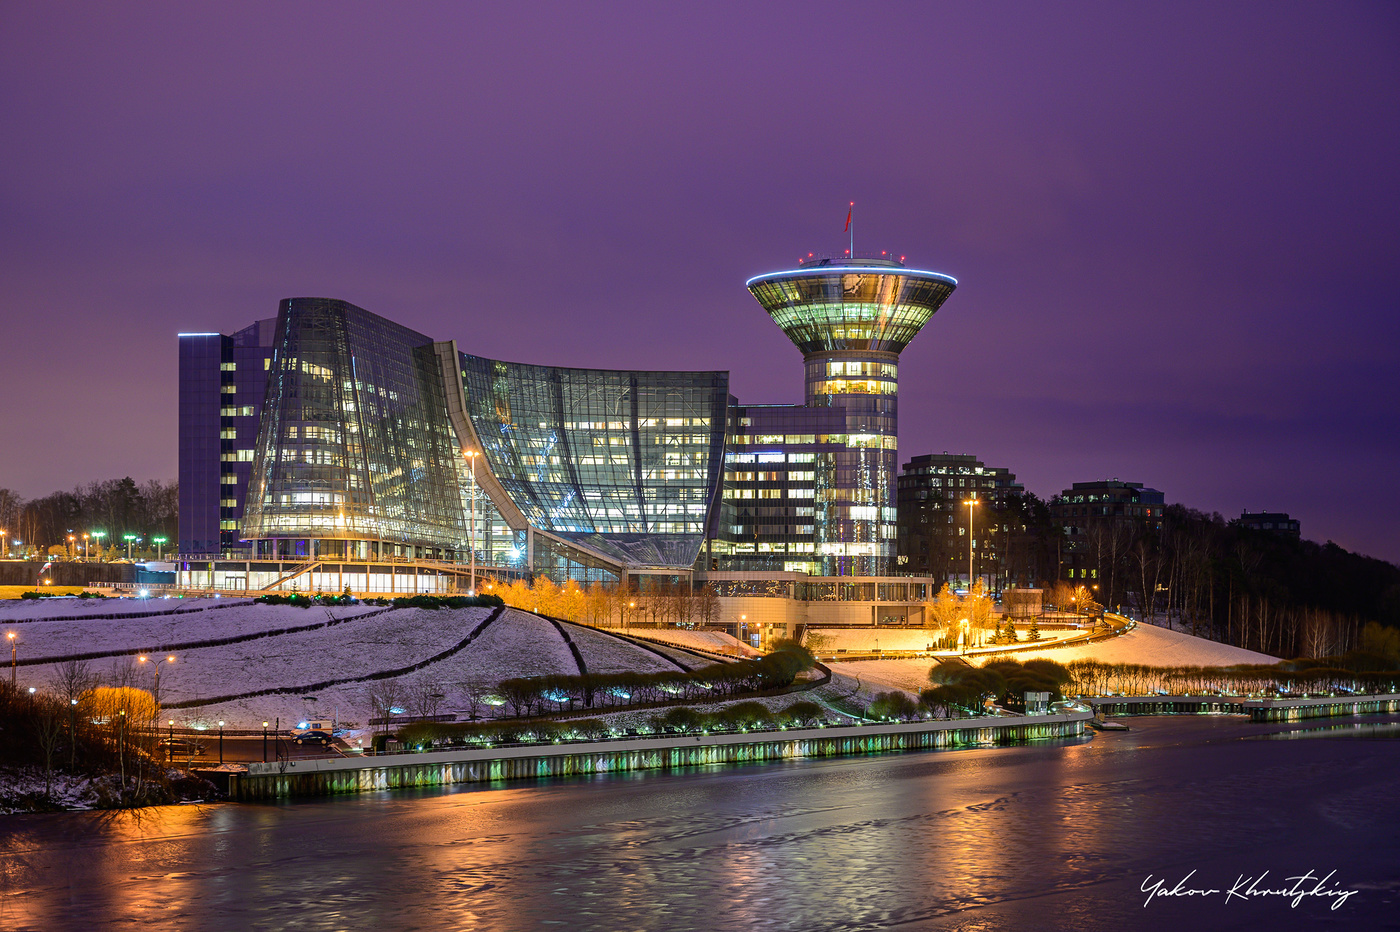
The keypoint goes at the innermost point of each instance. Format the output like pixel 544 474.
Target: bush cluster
pixel 742 716
pixel 1003 681
pixel 539 694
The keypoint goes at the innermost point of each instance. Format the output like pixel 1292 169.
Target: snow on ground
pixel 717 642
pixel 902 639
pixel 603 653
pixel 881 675
pixel 1155 647
pixel 1145 644
pixel 388 641
pixel 520 644
pixel 22 610
pixel 39 638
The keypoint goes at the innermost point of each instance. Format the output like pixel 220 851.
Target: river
pixel 1054 835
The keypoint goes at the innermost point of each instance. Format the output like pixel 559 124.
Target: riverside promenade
pixel 325 777
pixel 1291 709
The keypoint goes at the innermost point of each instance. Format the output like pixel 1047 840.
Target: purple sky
pixel 1176 227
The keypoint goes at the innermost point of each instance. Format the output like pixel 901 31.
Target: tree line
pixel 115 506
pixel 1252 588
pixel 657 603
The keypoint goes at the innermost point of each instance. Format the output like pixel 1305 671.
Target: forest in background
pixel 115 506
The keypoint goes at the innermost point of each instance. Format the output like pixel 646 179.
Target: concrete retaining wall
pixel 441 768
pixel 1295 710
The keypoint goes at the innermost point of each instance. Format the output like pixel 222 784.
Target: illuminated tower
pixel 851 318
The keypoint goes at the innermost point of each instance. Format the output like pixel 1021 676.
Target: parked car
pixel 317 732
pixel 181 747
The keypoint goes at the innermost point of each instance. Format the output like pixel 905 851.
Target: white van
pixel 311 731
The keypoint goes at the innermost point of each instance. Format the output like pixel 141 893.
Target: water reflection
pixel 1051 835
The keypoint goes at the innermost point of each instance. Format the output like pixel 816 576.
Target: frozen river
pixel 1052 836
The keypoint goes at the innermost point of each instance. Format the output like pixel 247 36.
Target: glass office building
pixel 340 436
pixel 355 457
pixel 356 454
pixel 851 318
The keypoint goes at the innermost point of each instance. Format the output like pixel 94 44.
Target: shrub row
pixel 743 716
pixel 539 694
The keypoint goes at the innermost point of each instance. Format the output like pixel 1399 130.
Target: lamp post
pixel 156 664
pixel 471 531
pixel 98 535
pixel 170 741
pixel 85 548
pixel 128 538
pixel 969 503
pixel 14 655
pixel 72 548
pixel 4 543
pixel 160 545
pixel 221 742
pixel 264 742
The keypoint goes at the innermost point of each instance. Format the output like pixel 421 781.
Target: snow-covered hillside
pixel 370 642
pixel 1145 644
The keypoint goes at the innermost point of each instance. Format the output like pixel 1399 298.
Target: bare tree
pixel 474 697
pixel 384 696
pixel 69 683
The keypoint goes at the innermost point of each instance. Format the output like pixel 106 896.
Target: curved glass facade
pixel 354 443
pixel 625 463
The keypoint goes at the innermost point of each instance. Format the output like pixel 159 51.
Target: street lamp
pixel 221 742
pixel 471 531
pixel 160 545
pixel 170 741
pixel 129 538
pixel 5 544
pixel 969 503
pixel 14 655
pixel 72 548
pixel 99 535
pixel 156 664
pixel 264 742
pixel 85 548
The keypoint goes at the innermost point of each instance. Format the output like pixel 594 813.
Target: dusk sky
pixel 1176 227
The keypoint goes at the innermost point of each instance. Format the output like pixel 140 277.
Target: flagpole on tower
pixel 851 228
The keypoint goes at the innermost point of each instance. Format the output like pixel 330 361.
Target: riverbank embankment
pixel 667 752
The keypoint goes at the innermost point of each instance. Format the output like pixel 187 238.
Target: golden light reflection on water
pixel 915 838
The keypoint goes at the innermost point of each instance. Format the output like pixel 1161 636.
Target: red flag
pixel 848 218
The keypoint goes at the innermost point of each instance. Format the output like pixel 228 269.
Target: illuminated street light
pixel 4 543
pixel 969 503
pixel 85 548
pixel 160 544
pixel 471 531
pixel 156 664
pixel 14 655
pixel 129 538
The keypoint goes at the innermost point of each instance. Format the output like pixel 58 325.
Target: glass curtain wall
pixel 355 456
pixel 627 464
